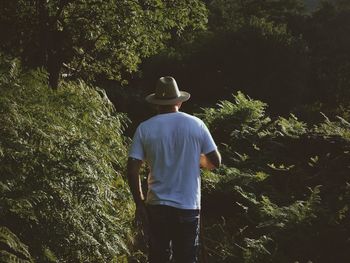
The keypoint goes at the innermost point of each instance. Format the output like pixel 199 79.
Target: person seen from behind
pixel 174 145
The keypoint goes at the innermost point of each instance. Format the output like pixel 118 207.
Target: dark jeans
pixel 174 234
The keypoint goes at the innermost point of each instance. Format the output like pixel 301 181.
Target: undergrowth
pixel 283 194
pixel 62 153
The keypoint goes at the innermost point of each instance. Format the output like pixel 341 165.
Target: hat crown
pixel 167 93
pixel 166 88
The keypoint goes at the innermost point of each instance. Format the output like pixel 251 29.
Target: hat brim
pixel 184 96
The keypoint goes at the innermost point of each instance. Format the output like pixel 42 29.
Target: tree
pixel 327 32
pixel 261 58
pixel 232 14
pixel 88 38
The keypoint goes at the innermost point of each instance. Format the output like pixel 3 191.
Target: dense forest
pixel 270 78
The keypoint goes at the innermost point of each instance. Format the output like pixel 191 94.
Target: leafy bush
pixel 284 193
pixel 338 128
pixel 61 157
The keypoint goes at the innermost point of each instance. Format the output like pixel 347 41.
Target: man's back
pixel 171 144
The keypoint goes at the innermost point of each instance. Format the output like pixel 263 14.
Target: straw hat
pixel 167 93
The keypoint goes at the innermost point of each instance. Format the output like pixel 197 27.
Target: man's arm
pixel 211 160
pixel 133 174
pixel 133 170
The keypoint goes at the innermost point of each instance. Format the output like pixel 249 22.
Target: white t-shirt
pixel 171 144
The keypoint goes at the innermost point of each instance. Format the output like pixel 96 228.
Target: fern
pixel 283 183
pixel 61 162
pixel 12 250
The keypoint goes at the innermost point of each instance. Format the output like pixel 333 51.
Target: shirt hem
pixel 172 204
pixel 135 156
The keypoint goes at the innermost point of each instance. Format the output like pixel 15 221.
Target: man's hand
pixel 141 219
pixel 210 160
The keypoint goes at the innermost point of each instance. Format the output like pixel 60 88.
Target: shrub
pixel 283 195
pixel 61 158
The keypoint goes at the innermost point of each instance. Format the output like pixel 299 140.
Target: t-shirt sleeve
pixel 208 144
pixel 136 149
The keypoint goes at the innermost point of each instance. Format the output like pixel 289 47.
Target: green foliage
pixel 123 32
pixel 94 38
pixel 284 190
pixel 272 50
pixel 61 158
pixel 232 14
pixel 243 117
pixel 329 128
pixel 327 34
pixel 260 56
pixel 290 127
pixel 12 250
pixel 255 249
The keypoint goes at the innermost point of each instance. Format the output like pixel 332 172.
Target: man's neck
pixel 171 109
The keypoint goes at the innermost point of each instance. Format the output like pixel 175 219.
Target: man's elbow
pixel 217 162
pixel 214 159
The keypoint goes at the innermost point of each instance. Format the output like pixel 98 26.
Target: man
pixel 174 145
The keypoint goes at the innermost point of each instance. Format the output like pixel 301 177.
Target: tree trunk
pixel 43 19
pixel 51 43
pixel 55 57
pixel 54 66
